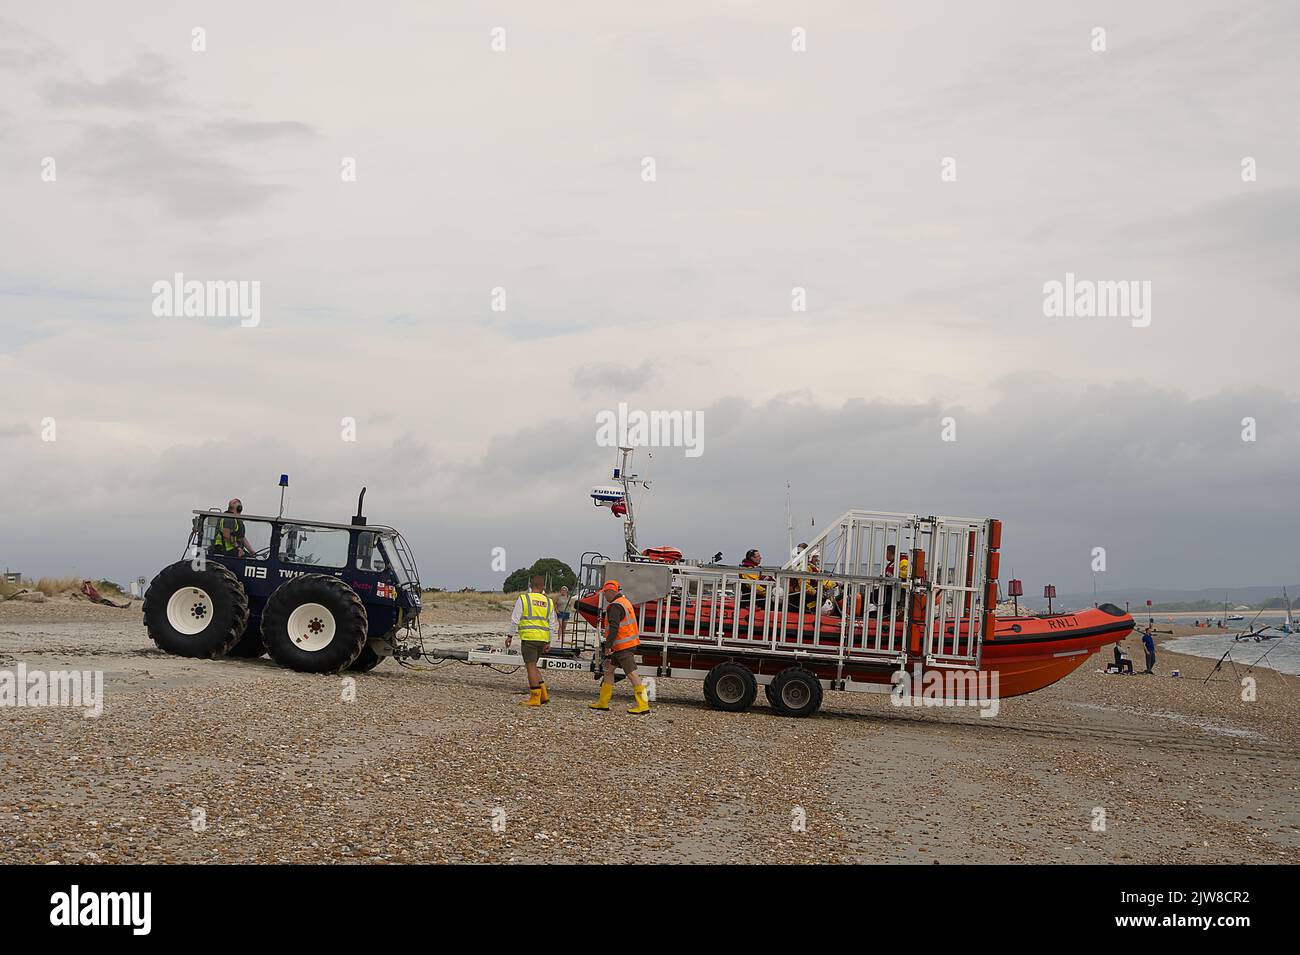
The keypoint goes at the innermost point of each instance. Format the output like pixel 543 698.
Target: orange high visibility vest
pixel 626 636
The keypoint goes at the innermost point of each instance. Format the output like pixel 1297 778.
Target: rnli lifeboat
pixel 1027 652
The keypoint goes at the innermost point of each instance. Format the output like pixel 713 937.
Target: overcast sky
pixel 775 169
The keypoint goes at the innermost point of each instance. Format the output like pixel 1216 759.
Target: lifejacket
pixel 535 621
pixel 625 638
pixel 759 590
pixel 902 568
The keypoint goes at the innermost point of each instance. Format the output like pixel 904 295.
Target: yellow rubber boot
pixel 534 698
pixel 546 697
pixel 642 702
pixel 606 691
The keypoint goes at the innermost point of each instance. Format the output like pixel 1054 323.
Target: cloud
pixel 613 377
pixel 32 52
pixel 191 182
pixel 1163 481
pixel 1237 226
pixel 258 131
pixel 147 85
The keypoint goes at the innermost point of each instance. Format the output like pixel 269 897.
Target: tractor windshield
pixel 399 559
pixel 390 550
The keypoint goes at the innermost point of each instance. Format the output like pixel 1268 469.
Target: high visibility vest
pixel 236 528
pixel 625 638
pixel 535 621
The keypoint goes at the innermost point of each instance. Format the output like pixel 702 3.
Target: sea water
pixel 1283 652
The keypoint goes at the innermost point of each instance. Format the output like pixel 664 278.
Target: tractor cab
pixel 374 559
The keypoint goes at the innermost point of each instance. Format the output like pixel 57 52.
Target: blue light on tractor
pixel 284 480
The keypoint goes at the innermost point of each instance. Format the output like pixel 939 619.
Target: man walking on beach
pixel 534 615
pixel 621 640
pixel 1149 644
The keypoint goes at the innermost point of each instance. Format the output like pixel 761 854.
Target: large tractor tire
pixel 195 613
pixel 366 660
pixel 730 687
pixel 250 645
pixel 314 624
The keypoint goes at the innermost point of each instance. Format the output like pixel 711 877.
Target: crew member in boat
pixel 753 559
pixel 811 593
pixel 894 567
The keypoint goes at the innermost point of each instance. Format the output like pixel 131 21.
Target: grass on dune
pixel 53 586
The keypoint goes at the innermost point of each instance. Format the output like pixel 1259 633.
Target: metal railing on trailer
pixel 874 592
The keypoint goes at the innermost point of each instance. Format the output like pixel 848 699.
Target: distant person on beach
pixel 1149 645
pixel 562 611
pixel 1122 663
pixel 91 592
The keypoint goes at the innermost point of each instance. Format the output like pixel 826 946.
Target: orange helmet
pixel 610 585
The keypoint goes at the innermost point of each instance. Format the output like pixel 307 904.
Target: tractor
pixel 317 597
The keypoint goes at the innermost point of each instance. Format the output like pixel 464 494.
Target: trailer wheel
pixel 730 687
pixel 366 660
pixel 795 692
pixel 250 645
pixel 314 624
pixel 195 613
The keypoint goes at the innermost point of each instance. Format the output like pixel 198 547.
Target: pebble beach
pixel 230 761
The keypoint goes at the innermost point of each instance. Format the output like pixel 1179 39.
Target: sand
pixel 240 761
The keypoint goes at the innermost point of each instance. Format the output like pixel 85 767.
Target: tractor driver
pixel 230 540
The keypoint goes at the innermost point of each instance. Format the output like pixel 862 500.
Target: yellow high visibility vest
pixel 236 528
pixel 535 621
